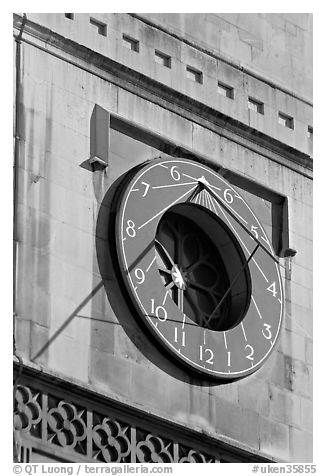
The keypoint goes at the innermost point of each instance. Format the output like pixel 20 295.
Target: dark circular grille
pixel 202 280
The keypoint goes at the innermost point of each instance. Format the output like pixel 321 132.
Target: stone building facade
pixel 96 95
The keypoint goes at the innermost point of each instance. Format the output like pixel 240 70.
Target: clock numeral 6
pixel 206 354
pixel 159 312
pixel 228 197
pixel 175 174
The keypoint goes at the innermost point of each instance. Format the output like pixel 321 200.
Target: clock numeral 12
pixel 206 354
pixel 182 335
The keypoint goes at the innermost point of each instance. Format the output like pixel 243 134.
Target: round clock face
pixel 199 267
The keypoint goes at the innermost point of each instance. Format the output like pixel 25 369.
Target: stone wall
pixel 276 45
pixel 65 322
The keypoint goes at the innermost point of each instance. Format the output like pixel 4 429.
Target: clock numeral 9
pixel 130 229
pixel 140 275
pixel 175 174
pixel 159 312
pixel 206 354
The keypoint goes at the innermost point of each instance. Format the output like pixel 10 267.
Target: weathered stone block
pixel 23 337
pixel 109 373
pixel 237 423
pixel 39 352
pixel 254 394
pixel 33 297
pixel 293 344
pixel 125 348
pixel 179 401
pixel 285 407
pixel 203 409
pixel 307 414
pixel 149 387
pixel 102 335
pixel 274 439
pixel 301 295
pixel 309 351
pixel 228 392
pixel 206 142
pixel 298 377
pixel 301 449
pixel 301 319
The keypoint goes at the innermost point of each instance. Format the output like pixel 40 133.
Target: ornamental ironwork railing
pixel 58 421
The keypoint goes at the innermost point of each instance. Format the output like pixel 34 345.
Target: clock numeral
pixel 130 229
pixel 272 289
pixel 254 231
pixel 229 358
pixel 250 355
pixel 182 335
pixel 267 331
pixel 228 197
pixel 140 275
pixel 159 312
pixel 206 354
pixel 147 186
pixel 175 174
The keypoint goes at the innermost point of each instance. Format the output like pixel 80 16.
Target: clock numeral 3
pixel 206 354
pixel 267 331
